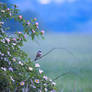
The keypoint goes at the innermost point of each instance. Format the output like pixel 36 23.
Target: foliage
pixel 17 71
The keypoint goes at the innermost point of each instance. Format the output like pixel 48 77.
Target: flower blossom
pixel 46 90
pixel 20 17
pixel 22 83
pixel 10 69
pixel 3 68
pixel 14 39
pixel 3 11
pixel 28 23
pixel 36 80
pixel 54 83
pixel 36 23
pixel 45 77
pixel 40 71
pixel 20 63
pixel 30 68
pixel 19 32
pixel 33 31
pixel 42 32
pixel 37 65
pixel 7 9
pixel 3 41
pixel 12 78
pixel 8 53
pixel 14 44
pixel 1 23
pixel 7 39
pixel 14 59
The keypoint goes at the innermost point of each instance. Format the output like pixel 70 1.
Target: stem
pixel 57 49
pixel 63 74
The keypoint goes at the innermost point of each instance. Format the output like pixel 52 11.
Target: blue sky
pixel 61 15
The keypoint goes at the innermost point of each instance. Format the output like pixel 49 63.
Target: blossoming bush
pixel 17 72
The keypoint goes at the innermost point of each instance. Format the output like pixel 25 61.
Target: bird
pixel 38 55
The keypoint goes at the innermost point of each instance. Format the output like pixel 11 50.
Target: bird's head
pixel 40 51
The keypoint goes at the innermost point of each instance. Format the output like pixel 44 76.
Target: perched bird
pixel 38 55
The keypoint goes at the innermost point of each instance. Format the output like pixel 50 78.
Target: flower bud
pixel 20 17
pixel 36 23
pixel 42 32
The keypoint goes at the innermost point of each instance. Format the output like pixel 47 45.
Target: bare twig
pixel 57 49
pixel 63 74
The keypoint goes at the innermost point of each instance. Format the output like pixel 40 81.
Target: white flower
pixel 3 11
pixel 12 78
pixel 8 53
pixel 20 63
pixel 30 68
pixel 14 44
pixel 37 65
pixel 45 84
pixel 19 32
pixel 1 23
pixel 10 14
pixel 2 54
pixel 40 71
pixel 14 59
pixel 5 59
pixel 45 89
pixel 36 80
pixel 3 68
pixel 45 77
pixel 54 83
pixel 3 41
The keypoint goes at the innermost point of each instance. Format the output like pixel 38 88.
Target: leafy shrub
pixel 18 73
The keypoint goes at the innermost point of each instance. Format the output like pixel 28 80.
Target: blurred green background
pixel 60 61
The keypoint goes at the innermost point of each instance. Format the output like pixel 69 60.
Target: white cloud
pixel 44 1
pixel 55 1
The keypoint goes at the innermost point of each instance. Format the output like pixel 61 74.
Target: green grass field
pixel 60 61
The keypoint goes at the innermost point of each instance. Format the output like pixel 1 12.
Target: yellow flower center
pixel 37 81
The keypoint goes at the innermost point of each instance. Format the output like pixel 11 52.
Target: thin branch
pixel 63 74
pixel 56 49
pixel 47 53
pixel 60 49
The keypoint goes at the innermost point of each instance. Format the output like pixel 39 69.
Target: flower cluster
pixel 17 71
